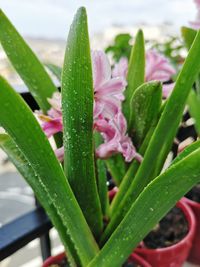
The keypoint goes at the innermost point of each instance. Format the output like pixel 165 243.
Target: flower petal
pixel 158 67
pixel 52 127
pixel 167 89
pixel 101 68
pixel 112 87
pixel 120 69
pixel 60 153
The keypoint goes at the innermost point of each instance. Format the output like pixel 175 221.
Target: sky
pixel 51 18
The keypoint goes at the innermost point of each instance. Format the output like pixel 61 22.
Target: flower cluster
pixel 108 117
pixel 157 68
pixel 109 120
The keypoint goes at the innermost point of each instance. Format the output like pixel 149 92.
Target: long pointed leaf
pixel 18 120
pixel 26 63
pixel 145 107
pixel 193 102
pixel 26 170
pixel 101 174
pixel 193 98
pixel 153 203
pixel 77 105
pixel 188 36
pixel 188 150
pixel 136 71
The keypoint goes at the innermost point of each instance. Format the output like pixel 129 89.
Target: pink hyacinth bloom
pixel 158 67
pixel 108 90
pixel 60 153
pixel 108 96
pixel 115 138
pixel 167 89
pixel 120 69
pixel 195 24
pixel 52 122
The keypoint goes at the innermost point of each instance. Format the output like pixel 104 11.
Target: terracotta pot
pixel 194 255
pixel 175 255
pixel 133 258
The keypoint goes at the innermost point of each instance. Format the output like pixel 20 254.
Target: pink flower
pixel 115 138
pixel 108 118
pixel 167 89
pixel 120 69
pixel 52 122
pixel 60 153
pixel 108 91
pixel 158 67
pixel 195 24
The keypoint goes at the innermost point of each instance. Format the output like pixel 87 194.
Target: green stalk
pixel 136 72
pixel 77 106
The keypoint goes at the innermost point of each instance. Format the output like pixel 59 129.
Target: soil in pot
pixel 170 230
pixel 172 249
pixel 63 263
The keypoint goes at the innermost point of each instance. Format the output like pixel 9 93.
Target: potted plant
pixel 95 114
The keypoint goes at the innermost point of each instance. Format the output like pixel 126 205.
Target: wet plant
pixel 112 120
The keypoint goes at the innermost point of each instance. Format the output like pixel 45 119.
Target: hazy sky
pixel 51 18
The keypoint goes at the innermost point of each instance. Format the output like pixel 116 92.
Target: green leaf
pixel 77 106
pixel 56 70
pixel 188 35
pixel 164 133
pixel 193 98
pixel 136 72
pixel 188 150
pixel 193 102
pixel 20 123
pixel 152 204
pixel 101 174
pixel 116 167
pixel 26 63
pixel 121 47
pixel 26 170
pixel 145 107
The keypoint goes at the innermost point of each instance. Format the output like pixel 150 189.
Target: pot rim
pixel 189 215
pixel 53 259
pixel 191 202
pixel 60 256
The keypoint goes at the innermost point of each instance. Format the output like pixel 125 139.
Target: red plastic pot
pixel 133 258
pixel 53 259
pixel 175 255
pixel 194 255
